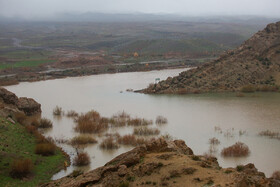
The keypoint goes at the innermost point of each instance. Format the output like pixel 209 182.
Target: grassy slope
pixel 16 142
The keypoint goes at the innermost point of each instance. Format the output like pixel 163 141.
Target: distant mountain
pixel 141 17
pixel 255 65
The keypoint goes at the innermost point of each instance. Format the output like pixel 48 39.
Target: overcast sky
pixel 47 8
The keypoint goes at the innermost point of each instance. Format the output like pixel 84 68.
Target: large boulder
pixel 29 106
pixel 10 101
pixel 8 97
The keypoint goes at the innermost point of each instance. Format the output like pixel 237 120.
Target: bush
pixel 82 159
pixel 161 120
pixel 248 89
pixel 45 149
pixel 45 123
pixel 31 129
pixel 214 141
pixel 131 140
pixel 145 131
pixel 237 150
pixel 21 118
pixel 57 111
pixel 91 122
pixel 82 140
pixel 269 134
pixel 72 114
pixel 276 175
pixel 139 122
pixel 239 168
pixel 21 168
pixel 109 143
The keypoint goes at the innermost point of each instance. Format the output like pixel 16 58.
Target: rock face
pixel 165 163
pixel 8 97
pixel 27 105
pixel 256 62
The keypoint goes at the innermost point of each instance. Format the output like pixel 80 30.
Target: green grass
pixel 25 63
pixel 16 142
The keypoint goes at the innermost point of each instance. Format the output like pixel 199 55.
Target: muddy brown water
pixel 192 118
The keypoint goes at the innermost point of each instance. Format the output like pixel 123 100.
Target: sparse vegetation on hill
pixel 254 66
pixel 167 163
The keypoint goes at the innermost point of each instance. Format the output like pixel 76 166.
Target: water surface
pixel 191 117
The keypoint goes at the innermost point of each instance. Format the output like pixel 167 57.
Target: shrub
pixel 269 134
pixel 72 114
pixel 237 150
pixel 31 129
pixel 91 122
pixel 21 168
pixel 239 168
pixel 45 123
pixel 276 175
pixel 161 120
pixel 248 89
pixel 189 171
pixel 35 123
pixel 146 131
pixel 117 121
pixel 127 139
pixel 57 111
pixel 21 118
pixel 82 159
pixel 45 149
pixel 139 122
pixel 82 140
pixel 109 143
pixel 131 140
pixel 214 141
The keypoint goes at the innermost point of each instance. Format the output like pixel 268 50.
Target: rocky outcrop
pixel 10 102
pixel 256 63
pixel 29 106
pixel 8 97
pixel 165 163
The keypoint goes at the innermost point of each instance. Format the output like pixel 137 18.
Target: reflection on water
pixel 192 118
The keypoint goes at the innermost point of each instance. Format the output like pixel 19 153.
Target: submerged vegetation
pixel 109 143
pixel 239 149
pixel 131 139
pixel 82 159
pixel 145 131
pixel 270 134
pixel 57 111
pixel 161 120
pixel 83 140
pixel 45 123
pixel 91 122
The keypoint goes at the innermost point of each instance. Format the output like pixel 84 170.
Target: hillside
pixel 165 163
pixel 255 65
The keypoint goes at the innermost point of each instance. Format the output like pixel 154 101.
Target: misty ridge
pixel 143 17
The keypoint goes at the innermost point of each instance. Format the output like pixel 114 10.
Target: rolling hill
pixel 255 65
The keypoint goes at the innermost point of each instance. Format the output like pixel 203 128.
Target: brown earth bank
pixel 165 163
pixel 70 70
pixel 254 66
